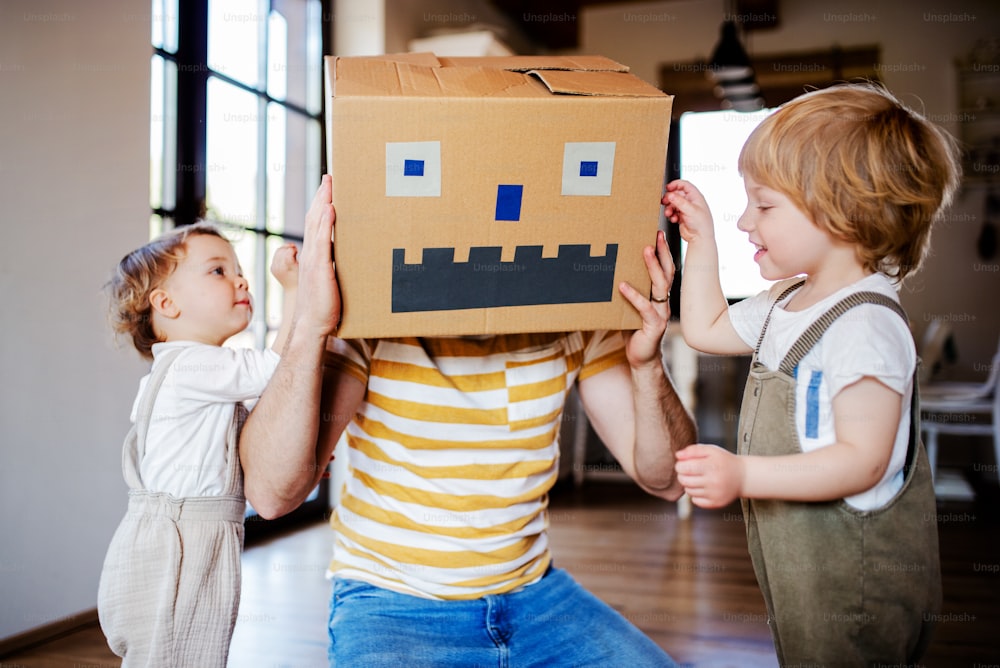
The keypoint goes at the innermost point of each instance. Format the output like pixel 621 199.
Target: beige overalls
pixel 170 587
pixel 843 587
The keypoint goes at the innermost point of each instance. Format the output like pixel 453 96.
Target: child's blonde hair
pixel 863 167
pixel 138 274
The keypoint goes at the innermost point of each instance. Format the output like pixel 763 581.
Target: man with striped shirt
pixel 441 555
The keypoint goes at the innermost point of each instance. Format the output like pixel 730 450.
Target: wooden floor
pixel 686 583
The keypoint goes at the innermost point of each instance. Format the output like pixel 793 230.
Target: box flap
pixel 595 83
pixel 389 77
pixel 528 63
pixel 424 74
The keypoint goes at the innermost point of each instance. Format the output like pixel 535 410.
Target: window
pixel 236 128
pixel 710 144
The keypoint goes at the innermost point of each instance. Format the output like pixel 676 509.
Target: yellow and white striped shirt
pixel 451 457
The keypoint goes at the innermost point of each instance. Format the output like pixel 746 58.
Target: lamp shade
pixel 730 69
pixel 730 59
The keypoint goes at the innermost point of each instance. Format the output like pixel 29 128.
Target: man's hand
pixel 643 345
pixel 318 305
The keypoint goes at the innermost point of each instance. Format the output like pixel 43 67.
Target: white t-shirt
pixel 186 443
pixel 868 340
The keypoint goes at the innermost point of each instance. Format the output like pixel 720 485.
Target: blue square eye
pixel 413 168
pixel 588 168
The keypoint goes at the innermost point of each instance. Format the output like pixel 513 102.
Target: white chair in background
pixel 962 409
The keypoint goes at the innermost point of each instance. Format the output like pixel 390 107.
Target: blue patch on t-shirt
pixel 812 404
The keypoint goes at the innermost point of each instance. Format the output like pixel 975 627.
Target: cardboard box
pixel 491 195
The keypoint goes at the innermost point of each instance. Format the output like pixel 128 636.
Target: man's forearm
pixel 663 426
pixel 278 442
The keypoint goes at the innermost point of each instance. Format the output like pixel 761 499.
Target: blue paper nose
pixel 509 202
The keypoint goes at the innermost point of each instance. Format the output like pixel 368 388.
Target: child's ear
pixel 161 302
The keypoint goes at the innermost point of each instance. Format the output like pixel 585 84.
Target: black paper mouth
pixel 441 284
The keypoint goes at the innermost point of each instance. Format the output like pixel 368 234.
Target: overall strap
pixel 145 411
pixel 135 441
pixel 809 338
pixel 234 471
pixel 787 291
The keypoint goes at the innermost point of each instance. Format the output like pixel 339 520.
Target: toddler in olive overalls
pixel 843 185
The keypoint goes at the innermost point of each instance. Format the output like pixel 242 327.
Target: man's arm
pixel 280 450
pixel 635 409
pixel 640 418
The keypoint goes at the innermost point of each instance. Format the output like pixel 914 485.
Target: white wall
pixel 411 19
pixel 74 187
pixel 358 27
pixel 920 42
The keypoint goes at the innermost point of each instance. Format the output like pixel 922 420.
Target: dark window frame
pixel 191 171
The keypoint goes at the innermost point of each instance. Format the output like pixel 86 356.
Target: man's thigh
pixel 374 627
pixel 562 624
pixel 554 622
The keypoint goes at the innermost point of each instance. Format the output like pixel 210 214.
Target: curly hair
pixel 863 167
pixel 138 274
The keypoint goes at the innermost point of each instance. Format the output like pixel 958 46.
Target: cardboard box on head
pixel 491 195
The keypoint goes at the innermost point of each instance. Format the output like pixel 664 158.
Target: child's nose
pixel 743 223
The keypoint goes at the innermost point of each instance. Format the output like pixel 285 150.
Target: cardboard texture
pixel 491 195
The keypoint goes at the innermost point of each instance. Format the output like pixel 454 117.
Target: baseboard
pixel 47 633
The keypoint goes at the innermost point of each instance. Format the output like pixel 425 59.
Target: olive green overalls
pixel 170 588
pixel 843 587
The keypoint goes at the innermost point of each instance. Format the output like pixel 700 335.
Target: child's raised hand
pixel 285 266
pixel 684 204
pixel 712 476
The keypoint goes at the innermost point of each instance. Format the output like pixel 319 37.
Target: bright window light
pixel 710 144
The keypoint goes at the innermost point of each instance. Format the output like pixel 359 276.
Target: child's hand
pixel 712 476
pixel 285 266
pixel 684 204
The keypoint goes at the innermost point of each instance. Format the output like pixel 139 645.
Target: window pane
pixel 159 225
pixel 277 166
pixel 314 56
pixel 294 145
pixel 232 154
pixel 248 247
pixel 710 144
pixel 275 295
pixel 162 133
pixel 277 56
pixel 164 25
pixel 156 132
pixel 235 31
pixel 295 52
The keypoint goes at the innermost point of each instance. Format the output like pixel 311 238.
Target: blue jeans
pixel 553 622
